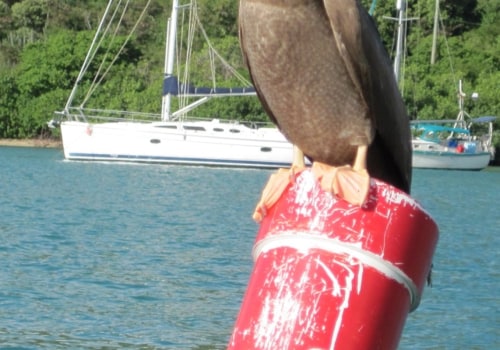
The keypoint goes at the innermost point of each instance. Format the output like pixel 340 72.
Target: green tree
pixel 44 75
pixel 8 106
pixel 219 17
pixel 31 14
pixel 5 20
pixel 43 44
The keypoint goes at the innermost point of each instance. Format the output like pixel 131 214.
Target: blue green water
pixel 113 256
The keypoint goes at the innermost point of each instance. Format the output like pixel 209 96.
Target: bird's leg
pixel 277 184
pixel 351 183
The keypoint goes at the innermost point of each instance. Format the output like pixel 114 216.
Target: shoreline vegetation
pixel 41 143
pixel 59 35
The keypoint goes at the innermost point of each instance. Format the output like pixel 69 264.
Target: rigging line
pixel 179 40
pixel 103 35
pixel 404 54
pixel 211 51
pixel 412 98
pixel 211 56
pixel 183 100
pixel 91 91
pixel 126 41
pixel 239 76
pixel 95 81
pixel 88 58
pixel 178 56
pixel 448 51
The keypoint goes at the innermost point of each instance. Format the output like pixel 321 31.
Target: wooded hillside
pixel 44 42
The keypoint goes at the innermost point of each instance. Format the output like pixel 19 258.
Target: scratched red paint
pixel 329 275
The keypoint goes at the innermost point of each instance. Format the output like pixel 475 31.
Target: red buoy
pixel 331 275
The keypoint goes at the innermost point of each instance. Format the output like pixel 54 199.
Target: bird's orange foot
pixel 349 183
pixel 352 185
pixel 346 182
pixel 277 184
pixel 272 192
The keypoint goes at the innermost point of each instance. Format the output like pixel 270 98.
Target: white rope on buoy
pixel 304 241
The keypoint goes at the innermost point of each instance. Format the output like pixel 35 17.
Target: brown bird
pixel 325 79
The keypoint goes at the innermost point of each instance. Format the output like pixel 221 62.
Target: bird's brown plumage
pixel 324 77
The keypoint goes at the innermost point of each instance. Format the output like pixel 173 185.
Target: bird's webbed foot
pixel 277 184
pixel 351 183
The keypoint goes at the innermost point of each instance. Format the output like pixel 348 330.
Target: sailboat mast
pixel 435 33
pixel 170 58
pixel 460 122
pixel 401 7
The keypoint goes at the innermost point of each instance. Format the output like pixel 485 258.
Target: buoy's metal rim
pixel 306 240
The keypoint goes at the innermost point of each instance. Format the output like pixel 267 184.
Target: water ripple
pixel 111 256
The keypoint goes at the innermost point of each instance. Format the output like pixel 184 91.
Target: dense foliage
pixel 43 44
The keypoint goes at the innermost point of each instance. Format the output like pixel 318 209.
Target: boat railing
pixel 90 115
pixel 248 123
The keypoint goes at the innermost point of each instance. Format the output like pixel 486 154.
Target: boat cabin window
pixel 166 126
pixel 265 149
pixel 234 130
pixel 218 129
pixel 194 128
pixel 155 141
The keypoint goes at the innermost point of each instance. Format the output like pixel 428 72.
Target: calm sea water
pixel 113 256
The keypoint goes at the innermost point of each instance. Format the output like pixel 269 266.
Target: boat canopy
pixel 484 119
pixel 172 86
pixel 432 121
pixel 428 128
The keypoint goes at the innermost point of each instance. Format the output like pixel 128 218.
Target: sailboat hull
pixel 210 143
pixel 434 149
pixel 449 160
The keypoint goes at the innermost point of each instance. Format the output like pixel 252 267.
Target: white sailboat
pixel 101 135
pixel 446 144
pixel 451 144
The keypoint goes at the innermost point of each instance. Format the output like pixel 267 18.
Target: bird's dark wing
pixel 391 117
pixel 249 66
pixel 346 28
pixel 370 69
